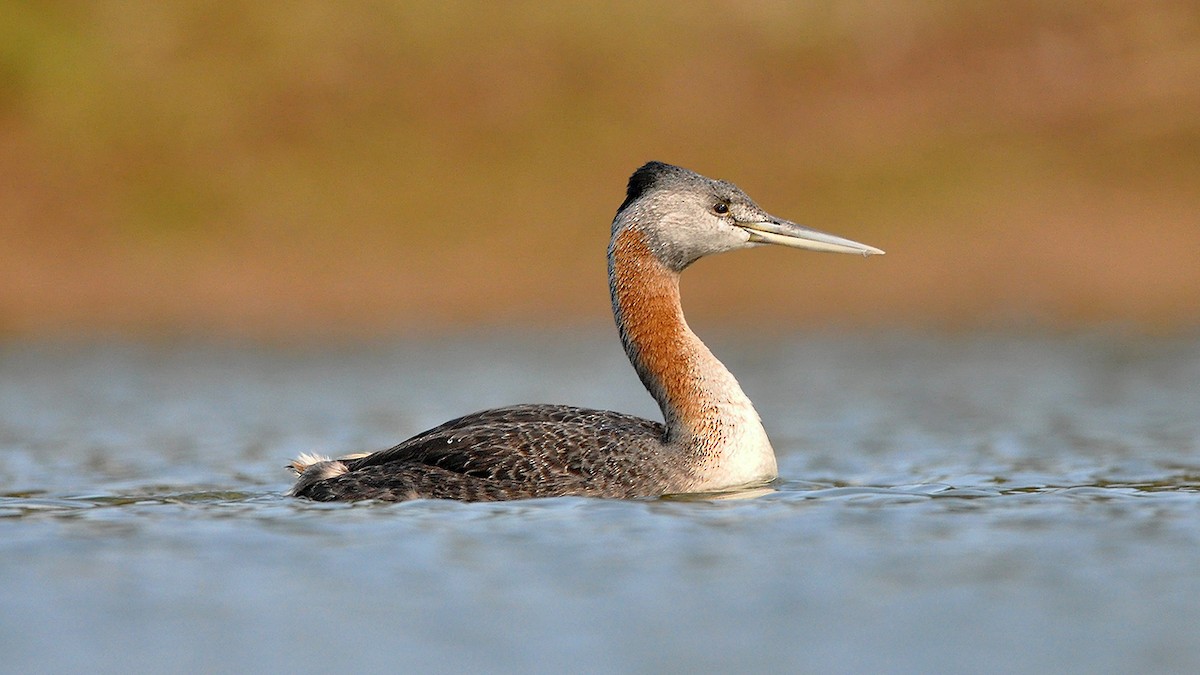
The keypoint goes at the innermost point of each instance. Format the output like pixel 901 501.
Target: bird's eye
pixel 721 208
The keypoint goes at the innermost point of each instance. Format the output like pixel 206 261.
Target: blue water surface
pixel 968 503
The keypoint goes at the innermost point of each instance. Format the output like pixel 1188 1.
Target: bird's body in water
pixel 710 440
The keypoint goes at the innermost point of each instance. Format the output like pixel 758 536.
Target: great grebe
pixel 711 440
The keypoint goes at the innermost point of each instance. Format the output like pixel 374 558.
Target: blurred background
pixel 363 168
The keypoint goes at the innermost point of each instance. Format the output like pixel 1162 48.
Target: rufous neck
pixel 697 394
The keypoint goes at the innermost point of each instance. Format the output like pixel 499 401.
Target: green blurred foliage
pixel 238 166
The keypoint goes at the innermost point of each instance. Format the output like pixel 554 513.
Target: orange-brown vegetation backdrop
pixel 365 167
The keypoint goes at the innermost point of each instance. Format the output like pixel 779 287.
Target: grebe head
pixel 686 216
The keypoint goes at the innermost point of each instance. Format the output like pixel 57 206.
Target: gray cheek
pixel 732 238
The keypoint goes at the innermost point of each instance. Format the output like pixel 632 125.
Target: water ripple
pixel 946 504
